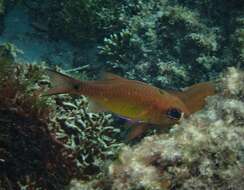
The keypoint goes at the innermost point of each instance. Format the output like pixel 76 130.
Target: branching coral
pixel 173 43
pixel 91 136
pixel 227 16
pixel 215 11
pixel 179 41
pixel 204 152
pixel 238 41
pixel 45 142
pixel 82 20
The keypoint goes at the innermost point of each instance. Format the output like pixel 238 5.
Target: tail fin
pixel 194 96
pixel 61 83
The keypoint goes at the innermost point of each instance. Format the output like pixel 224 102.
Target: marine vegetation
pixel 82 21
pixel 175 43
pixel 46 142
pixel 181 41
pixel 169 43
pixel 76 20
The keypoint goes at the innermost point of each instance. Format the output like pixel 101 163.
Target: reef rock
pixel 203 152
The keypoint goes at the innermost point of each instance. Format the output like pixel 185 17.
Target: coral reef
pixel 46 142
pixel 76 20
pixel 228 17
pixel 174 43
pixel 25 135
pixel 238 41
pixel 168 43
pixel 91 136
pixel 203 152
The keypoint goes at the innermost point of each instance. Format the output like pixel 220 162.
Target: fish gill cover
pixel 168 43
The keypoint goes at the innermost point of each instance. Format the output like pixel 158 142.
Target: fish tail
pixel 61 83
pixel 194 97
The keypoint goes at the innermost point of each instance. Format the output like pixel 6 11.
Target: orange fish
pixel 133 99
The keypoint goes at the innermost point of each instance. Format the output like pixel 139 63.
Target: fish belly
pixel 127 109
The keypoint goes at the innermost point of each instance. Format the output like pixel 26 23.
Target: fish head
pixel 62 84
pixel 171 111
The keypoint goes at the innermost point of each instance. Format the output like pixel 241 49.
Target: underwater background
pixel 49 143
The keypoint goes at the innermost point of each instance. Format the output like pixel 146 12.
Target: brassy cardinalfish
pixel 133 99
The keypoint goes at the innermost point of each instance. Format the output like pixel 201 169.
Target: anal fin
pixel 137 131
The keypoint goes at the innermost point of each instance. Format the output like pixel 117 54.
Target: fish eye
pixel 76 86
pixel 174 113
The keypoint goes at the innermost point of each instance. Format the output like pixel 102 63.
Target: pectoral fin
pixel 137 131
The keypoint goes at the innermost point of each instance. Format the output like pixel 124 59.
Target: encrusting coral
pixel 203 152
pixel 46 142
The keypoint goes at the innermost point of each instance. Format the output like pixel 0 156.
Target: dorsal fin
pixel 111 76
pixel 195 95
